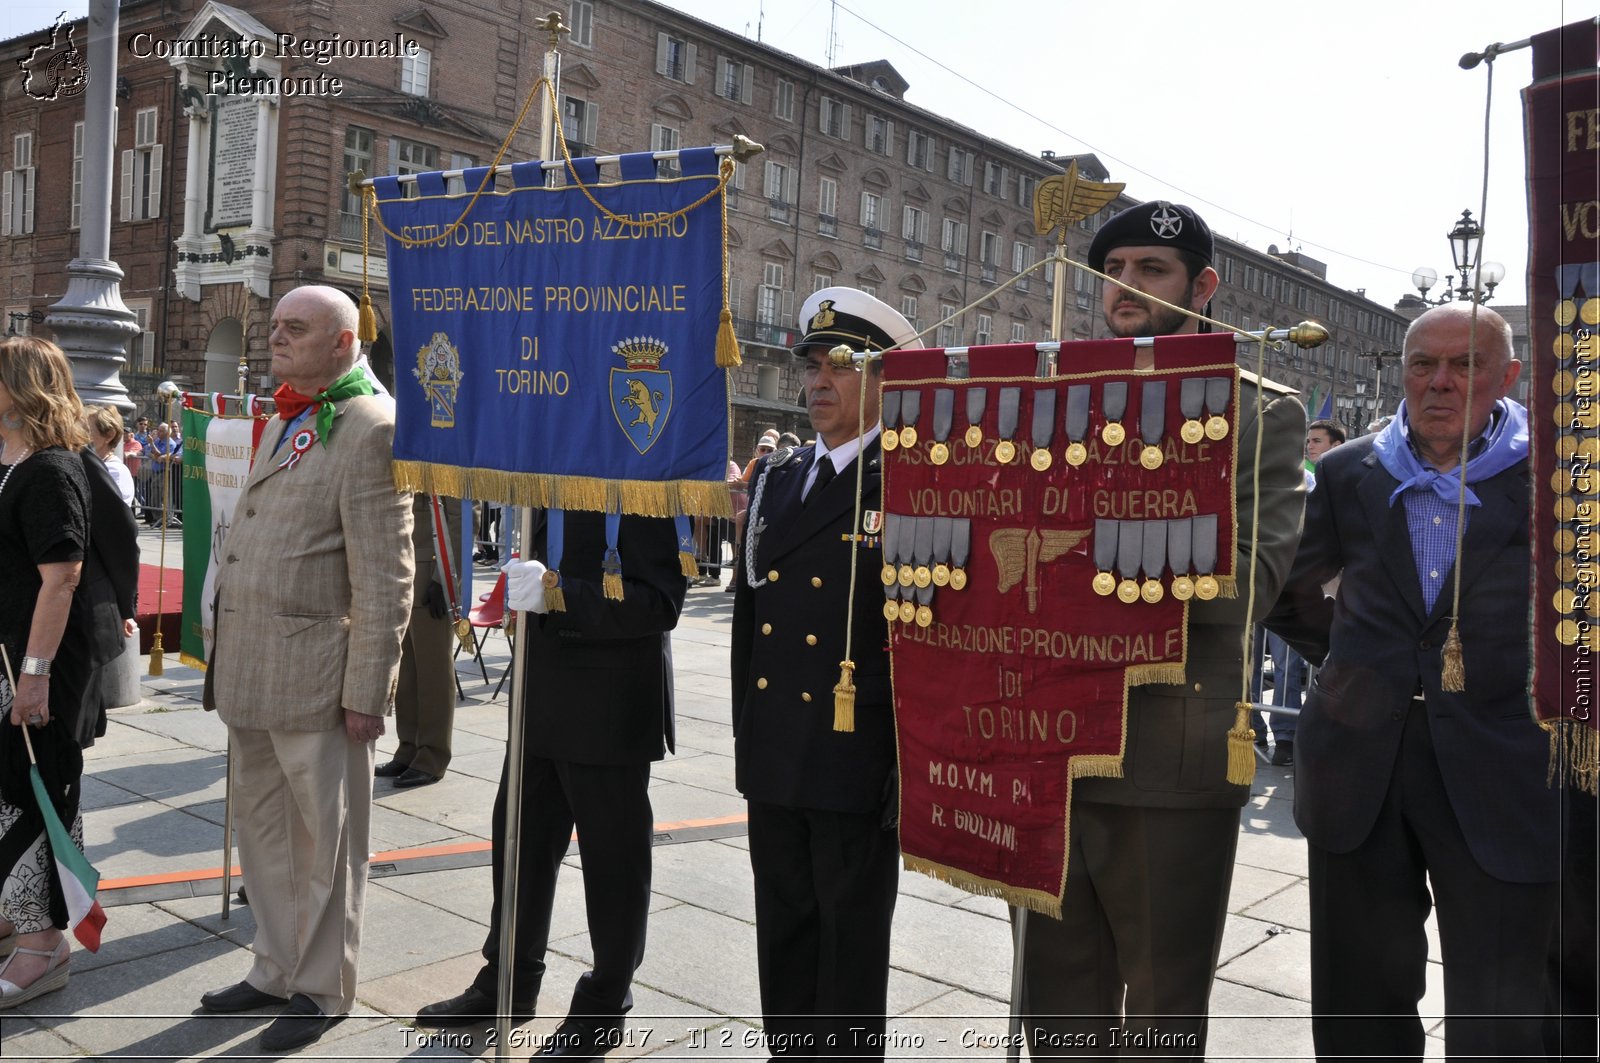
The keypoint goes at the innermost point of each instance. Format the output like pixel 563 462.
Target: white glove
pixel 525 585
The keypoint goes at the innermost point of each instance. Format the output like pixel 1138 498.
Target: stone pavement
pixel 154 798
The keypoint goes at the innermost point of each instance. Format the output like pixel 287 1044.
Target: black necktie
pixel 825 473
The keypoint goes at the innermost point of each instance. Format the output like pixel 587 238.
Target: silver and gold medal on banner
pixel 960 541
pixel 1005 450
pixel 1152 422
pixel 1077 423
pixel 890 414
pixel 1204 545
pixel 1178 554
pixel 1191 403
pixel 1114 404
pixel 944 413
pixel 977 399
pixel 1130 555
pixel 1155 561
pixel 891 573
pixel 1105 557
pixel 1044 421
pixel 943 530
pixel 910 412
pixel 1219 393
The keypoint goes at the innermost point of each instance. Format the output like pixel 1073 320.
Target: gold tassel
pixel 156 664
pixel 727 342
pixel 1453 674
pixel 686 564
pixel 463 628
pixel 1241 747
pixel 612 583
pixel 555 599
pixel 368 330
pixel 844 698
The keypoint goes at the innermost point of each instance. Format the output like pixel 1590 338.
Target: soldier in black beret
pixel 824 851
pixel 1151 853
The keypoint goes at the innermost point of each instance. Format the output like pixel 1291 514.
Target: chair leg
pixel 477 655
pixel 510 642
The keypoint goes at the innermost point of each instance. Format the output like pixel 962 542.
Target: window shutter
pixel 822 115
pixel 787 319
pixel 791 192
pixel 127 185
pixel 734 293
pixel 864 196
pixel 591 121
pixel 844 121
pixel 746 82
pixel 5 203
pixel 661 53
pixel 688 65
pixel 888 138
pixel 155 182
pixel 720 88
pixel 29 179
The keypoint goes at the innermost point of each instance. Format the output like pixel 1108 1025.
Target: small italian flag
pixel 79 879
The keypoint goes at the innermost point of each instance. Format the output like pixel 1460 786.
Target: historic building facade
pixel 228 198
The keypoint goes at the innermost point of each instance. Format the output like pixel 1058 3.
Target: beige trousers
pixel 303 804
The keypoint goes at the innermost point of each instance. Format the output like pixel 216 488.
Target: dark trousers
pixel 1127 969
pixel 610 806
pixel 1368 949
pixel 425 696
pixel 825 886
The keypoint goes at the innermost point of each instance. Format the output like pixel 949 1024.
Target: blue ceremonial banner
pixel 556 346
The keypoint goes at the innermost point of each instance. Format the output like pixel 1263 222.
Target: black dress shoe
pixel 241 996
pixel 301 1023
pixel 1283 754
pixel 414 777
pixel 581 1039
pixel 389 769
pixel 469 1009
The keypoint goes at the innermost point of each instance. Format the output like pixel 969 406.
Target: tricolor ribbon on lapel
pixel 302 440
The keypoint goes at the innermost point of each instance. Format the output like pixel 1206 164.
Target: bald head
pixel 313 337
pixel 1494 334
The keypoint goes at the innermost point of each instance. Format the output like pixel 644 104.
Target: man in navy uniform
pixel 1151 853
pixel 823 844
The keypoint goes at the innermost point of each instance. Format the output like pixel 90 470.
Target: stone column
pixel 91 323
pixel 193 188
pixel 260 199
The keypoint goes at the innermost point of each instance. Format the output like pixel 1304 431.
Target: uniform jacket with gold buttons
pixel 789 637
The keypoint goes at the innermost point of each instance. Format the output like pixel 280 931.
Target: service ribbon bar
pixel 556 346
pixel 989 745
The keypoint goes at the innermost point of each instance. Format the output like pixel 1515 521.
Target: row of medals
pixel 919 576
pixel 1151 590
pixel 1112 435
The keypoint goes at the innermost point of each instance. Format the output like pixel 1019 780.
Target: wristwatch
pixel 36 666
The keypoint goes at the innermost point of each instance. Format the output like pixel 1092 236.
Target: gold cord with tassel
pixel 1452 670
pixel 612 583
pixel 844 698
pixel 1241 736
pixel 727 341
pixel 687 565
pixel 367 329
pixel 555 599
pixel 1241 746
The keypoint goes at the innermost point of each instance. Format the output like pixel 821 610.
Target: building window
pixel 142 344
pixel 734 80
pixel 17 318
pixel 948 334
pixel 985 334
pixel 828 207
pixel 908 309
pixel 914 228
pixel 675 58
pixel 994 179
pixel 880 135
pixel 873 209
pixel 779 189
pixel 1025 187
pixel 953 242
pixel 457 185
pixel 665 138
pixel 408 157
pixel 357 156
pixel 1019 332
pixel 141 170
pixel 774 306
pixel 783 100
pixel 959 168
pixel 77 174
pixel 582 23
pixel 578 120
pixel 1022 261
pixel 919 150
pixel 820 281
pixel 989 255
pixel 834 118
pixel 416 72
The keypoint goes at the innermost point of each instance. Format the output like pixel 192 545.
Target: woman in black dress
pixel 44 537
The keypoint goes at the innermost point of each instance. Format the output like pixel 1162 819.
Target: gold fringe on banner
pixel 1227 586
pixel 686 564
pixel 844 698
pixel 1453 668
pixel 611 583
pixel 555 599
pixel 1033 900
pixel 190 661
pixel 668 498
pixel 1141 674
pixel 1574 754
pixel 1100 766
pixel 1241 747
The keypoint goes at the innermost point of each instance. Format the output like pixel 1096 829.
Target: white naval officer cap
pixel 832 316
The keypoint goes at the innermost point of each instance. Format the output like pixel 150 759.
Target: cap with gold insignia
pixel 832 316
pixel 1157 223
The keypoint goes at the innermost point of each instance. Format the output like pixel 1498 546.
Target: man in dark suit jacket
pixel 1403 788
pixel 823 847
pixel 598 705
pixel 1151 854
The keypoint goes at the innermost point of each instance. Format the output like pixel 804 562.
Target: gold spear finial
pixel 1068 197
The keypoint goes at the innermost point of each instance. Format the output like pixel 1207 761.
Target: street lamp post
pixel 1379 360
pixel 1477 280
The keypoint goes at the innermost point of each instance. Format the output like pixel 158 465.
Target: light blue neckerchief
pixel 1504 446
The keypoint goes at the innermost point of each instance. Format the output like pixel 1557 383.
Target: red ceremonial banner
pixel 1042 538
pixel 1562 114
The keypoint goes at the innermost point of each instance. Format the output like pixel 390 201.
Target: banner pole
pixel 512 838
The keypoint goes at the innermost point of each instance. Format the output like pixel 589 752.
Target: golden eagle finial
pixel 1067 197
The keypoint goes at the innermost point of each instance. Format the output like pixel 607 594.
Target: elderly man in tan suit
pixel 313 596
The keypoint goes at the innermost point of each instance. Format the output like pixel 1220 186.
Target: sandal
pixel 7 944
pixel 53 978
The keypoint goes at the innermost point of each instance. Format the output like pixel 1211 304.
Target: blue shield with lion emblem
pixel 641 400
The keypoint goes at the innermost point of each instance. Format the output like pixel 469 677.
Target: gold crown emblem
pixel 641 352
